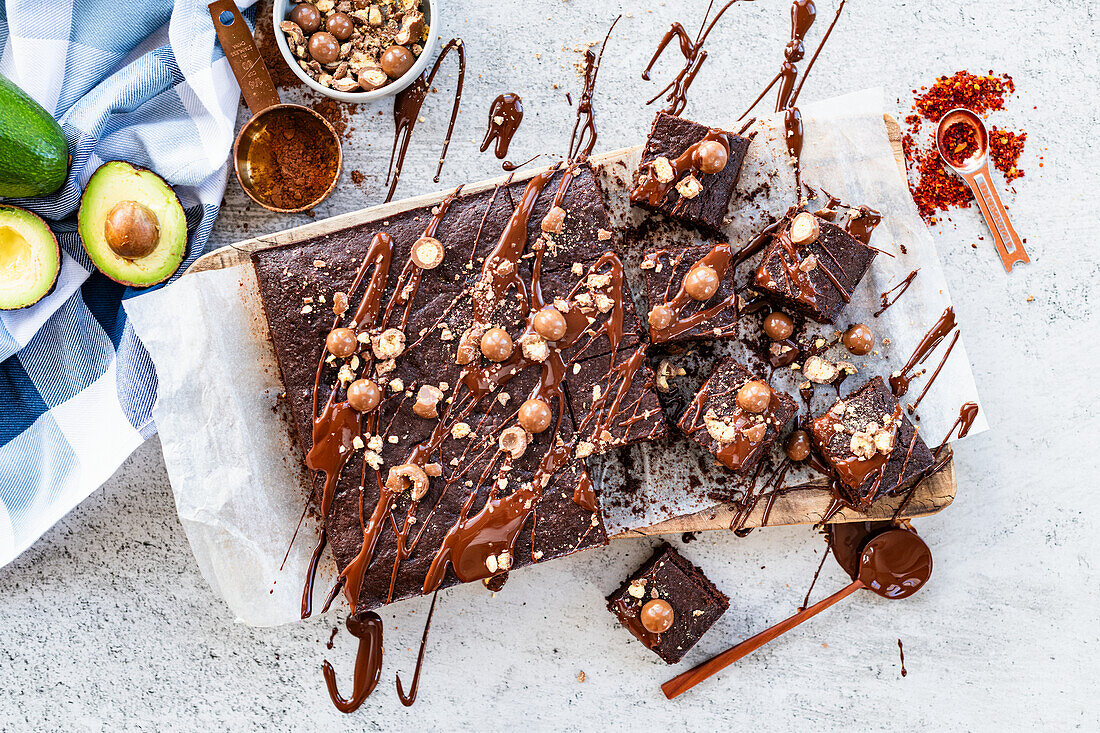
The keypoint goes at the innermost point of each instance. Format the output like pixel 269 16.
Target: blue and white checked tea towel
pixel 143 82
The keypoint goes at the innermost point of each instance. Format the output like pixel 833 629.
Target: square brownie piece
pixel 668 584
pixel 718 422
pixel 670 167
pixel 870 443
pixel 614 402
pixel 674 314
pixel 815 277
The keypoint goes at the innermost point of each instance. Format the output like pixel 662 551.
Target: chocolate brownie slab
pixel 668 604
pixel 870 443
pixel 410 381
pixel 619 405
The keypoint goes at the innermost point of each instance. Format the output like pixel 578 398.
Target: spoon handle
pixel 243 56
pixel 684 682
pixel 1009 245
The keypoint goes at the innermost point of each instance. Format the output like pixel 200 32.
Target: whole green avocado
pixel 34 155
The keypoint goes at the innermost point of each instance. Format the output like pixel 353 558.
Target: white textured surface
pixel 108 626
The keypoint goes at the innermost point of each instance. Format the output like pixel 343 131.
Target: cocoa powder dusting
pixel 300 167
pixel 281 73
pixel 337 113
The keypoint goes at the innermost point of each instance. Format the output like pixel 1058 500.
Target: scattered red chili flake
pixel 979 94
pixel 933 186
pixel 1004 149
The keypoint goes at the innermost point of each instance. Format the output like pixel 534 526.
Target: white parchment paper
pixel 236 470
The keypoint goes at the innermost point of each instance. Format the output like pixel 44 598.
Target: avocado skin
pixel 101 193
pixel 45 239
pixel 34 154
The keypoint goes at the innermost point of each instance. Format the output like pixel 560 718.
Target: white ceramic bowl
pixel 281 8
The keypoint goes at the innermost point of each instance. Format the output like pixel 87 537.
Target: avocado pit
pixel 131 230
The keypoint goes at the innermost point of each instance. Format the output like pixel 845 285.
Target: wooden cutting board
pixel 806 506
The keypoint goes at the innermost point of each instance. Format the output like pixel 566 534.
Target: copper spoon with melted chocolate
pixel 975 172
pixel 894 564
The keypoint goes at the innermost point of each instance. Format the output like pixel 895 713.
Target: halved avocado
pixel 29 258
pixel 132 225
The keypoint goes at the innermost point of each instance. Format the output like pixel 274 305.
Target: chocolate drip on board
pixel 900 380
pixel 897 291
pixel 694 56
pixel 406 111
pixel 505 114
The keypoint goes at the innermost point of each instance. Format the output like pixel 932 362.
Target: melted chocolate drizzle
pixel 899 381
pixel 582 141
pixel 408 700
pixel 861 222
pixel 817 574
pixel 901 287
pixel 803 14
pixel 406 112
pixel 367 627
pixel 505 114
pixel 693 54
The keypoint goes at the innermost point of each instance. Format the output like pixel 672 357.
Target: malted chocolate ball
pixel 340 25
pixel 657 616
pixel 396 60
pixel 324 48
pixel 550 323
pixel 778 325
pixel 341 342
pixel 798 445
pixel 306 16
pixel 660 317
pixel 364 395
pixel 859 339
pixel 496 344
pixel 754 396
pixel 701 282
pixel 711 156
pixel 535 415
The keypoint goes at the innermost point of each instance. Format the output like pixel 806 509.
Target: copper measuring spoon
pixel 975 171
pixel 253 161
pixel 894 564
